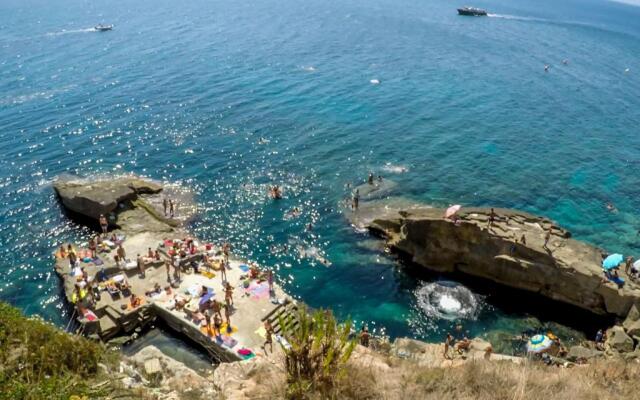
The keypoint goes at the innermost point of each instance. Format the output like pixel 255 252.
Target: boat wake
pixel 66 32
pixel 517 18
pixel 447 300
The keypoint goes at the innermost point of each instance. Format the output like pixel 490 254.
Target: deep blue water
pixel 182 92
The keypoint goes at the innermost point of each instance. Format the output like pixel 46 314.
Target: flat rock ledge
pixel 567 270
pixel 132 204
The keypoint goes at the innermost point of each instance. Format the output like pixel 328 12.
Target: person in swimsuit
pixel 104 224
pixel 228 294
pixel 268 339
pixel 217 325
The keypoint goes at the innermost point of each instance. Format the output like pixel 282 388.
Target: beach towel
pixel 130 265
pixel 97 261
pixel 90 316
pixel 229 341
pixel 86 260
pixel 207 274
pixel 109 243
pixel 224 329
pixel 283 342
pixel 244 268
pixel 258 291
pixel 206 297
pixel 261 332
pixel 244 351
pixel 194 290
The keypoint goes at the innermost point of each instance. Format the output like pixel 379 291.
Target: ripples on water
pixel 232 99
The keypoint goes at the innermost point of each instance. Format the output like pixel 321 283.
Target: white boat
pixel 103 28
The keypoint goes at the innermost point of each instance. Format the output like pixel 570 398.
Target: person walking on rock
pixel 164 205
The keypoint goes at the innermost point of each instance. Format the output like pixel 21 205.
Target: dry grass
pixel 482 380
pixel 497 380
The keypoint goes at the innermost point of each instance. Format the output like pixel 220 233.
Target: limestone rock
pixel 633 329
pixel 632 317
pixel 152 366
pixel 582 353
pixel 91 199
pixel 565 270
pixel 618 340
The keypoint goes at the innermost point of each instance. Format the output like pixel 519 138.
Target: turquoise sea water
pixel 183 92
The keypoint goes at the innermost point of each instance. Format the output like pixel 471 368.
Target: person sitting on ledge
pixel 463 345
pixel 135 301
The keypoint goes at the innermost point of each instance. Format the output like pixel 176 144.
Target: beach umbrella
pixel 452 210
pixel 206 297
pixel 612 261
pixel 636 265
pixel 539 343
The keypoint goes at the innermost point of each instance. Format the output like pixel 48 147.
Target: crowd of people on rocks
pixel 177 256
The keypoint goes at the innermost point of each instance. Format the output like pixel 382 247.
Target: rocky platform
pixel 567 270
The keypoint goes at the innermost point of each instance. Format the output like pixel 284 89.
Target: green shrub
pixel 39 361
pixel 319 351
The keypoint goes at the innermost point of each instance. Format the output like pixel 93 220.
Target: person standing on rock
pixel 370 180
pixel 176 267
pixel 228 294
pixel 523 240
pixel 171 208
pixel 227 316
pixel 167 265
pixel 364 336
pixel 165 203
pixel 492 218
pixel 121 253
pixel 356 200
pixel 104 224
pixel 268 337
pixel 447 344
pixel 140 264
pixel 547 237
pixel 627 265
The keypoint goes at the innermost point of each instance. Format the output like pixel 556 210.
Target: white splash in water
pixel 447 300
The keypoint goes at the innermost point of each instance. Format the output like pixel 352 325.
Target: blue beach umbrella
pixel 206 297
pixel 539 343
pixel 612 261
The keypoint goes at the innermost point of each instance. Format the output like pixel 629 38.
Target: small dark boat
pixel 472 11
pixel 103 28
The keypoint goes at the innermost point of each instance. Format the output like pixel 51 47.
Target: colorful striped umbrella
pixel 539 343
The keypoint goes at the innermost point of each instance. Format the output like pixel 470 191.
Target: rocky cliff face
pixel 565 270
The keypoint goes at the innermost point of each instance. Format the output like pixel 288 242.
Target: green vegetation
pixel 39 361
pixel 320 349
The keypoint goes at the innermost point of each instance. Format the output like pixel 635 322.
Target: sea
pixel 226 98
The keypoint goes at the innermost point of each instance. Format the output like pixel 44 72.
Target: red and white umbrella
pixel 452 210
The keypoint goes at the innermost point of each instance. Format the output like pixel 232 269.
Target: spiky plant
pixel 318 352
